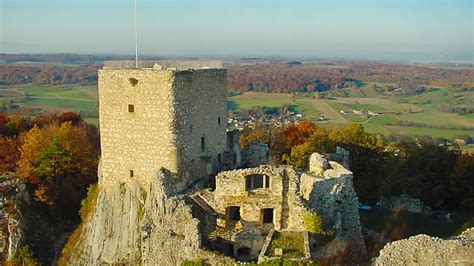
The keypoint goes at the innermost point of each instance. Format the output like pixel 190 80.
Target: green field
pixel 443 96
pixel 250 100
pixel 412 116
pixel 59 99
pixel 277 100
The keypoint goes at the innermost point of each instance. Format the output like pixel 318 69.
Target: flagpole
pixel 136 37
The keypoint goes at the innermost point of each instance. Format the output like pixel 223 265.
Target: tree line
pixel 442 178
pixel 271 77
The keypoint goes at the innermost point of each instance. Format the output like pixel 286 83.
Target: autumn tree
pixel 60 162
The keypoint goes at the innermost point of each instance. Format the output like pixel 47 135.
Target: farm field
pixel 407 116
pixel 276 100
pixel 52 99
pixel 60 99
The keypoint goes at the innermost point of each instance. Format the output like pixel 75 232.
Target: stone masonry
pixel 154 117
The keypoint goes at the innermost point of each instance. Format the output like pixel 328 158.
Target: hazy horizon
pixel 437 30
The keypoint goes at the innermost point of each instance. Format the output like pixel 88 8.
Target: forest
pixel 268 77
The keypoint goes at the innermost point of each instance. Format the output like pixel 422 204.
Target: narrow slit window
pixel 218 120
pixel 203 144
pixel 131 108
pixel 131 173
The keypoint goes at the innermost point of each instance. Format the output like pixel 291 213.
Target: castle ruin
pixel 163 131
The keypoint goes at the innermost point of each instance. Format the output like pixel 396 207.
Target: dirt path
pixel 327 111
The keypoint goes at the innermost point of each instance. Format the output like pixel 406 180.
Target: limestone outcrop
pixel 134 226
pixel 426 250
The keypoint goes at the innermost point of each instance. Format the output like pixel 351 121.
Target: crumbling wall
pixel 426 250
pixel 169 233
pixel 282 196
pixel 328 188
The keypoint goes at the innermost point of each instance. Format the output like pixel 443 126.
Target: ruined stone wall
pixel 231 191
pixel 426 250
pixel 172 111
pixel 283 197
pixel 328 188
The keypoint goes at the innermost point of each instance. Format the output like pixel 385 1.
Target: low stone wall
pixel 164 64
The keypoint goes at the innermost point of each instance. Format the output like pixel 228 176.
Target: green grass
pixel 442 96
pixel 59 99
pixel 354 118
pixel 338 106
pixel 57 92
pixel 292 244
pixel 305 95
pixel 307 109
pixel 433 132
pixel 251 100
pixel 469 116
pixel 369 84
pixel 432 116
pixel 242 101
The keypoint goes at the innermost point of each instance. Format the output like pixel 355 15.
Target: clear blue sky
pixel 376 29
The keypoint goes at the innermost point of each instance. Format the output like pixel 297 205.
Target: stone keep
pixel 157 117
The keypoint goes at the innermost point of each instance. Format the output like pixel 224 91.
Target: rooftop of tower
pixel 164 64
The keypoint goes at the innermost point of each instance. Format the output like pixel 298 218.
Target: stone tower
pixel 169 114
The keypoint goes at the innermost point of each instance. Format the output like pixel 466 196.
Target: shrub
pixel 313 223
pixel 88 203
pixel 25 257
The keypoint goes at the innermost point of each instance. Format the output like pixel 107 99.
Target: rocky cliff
pixel 149 227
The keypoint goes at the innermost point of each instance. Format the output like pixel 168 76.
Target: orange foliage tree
pixel 59 161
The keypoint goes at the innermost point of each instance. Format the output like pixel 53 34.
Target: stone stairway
pixel 203 204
